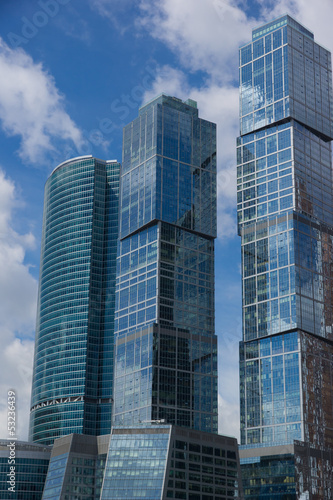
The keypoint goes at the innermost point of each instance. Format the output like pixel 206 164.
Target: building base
pixel 287 472
pixel 154 461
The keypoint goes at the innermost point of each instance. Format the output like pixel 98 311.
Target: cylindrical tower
pixel 73 362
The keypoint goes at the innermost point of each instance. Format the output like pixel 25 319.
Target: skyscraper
pixel 165 346
pixel 285 220
pixel 73 364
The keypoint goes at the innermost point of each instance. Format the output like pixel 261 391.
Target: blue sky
pixel 72 74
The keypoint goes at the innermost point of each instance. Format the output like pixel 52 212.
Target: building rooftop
pixel 278 23
pixel 189 106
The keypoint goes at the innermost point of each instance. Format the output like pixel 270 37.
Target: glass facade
pixel 136 466
pixel 285 219
pixel 76 468
pixel 30 468
pixel 149 461
pixel 72 377
pixel 270 390
pixel 166 355
pixel 55 477
pixel 72 477
pixel 157 462
pixel 271 478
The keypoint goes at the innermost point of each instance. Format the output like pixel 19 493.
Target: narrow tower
pixel 285 219
pixel 165 345
pixel 72 376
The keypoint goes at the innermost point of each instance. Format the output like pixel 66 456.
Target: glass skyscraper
pixel 165 346
pixel 73 363
pixel 285 220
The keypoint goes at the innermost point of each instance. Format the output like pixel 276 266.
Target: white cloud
pixel 31 106
pixel 16 368
pixel 218 103
pixel 169 81
pixel 205 34
pixel 18 293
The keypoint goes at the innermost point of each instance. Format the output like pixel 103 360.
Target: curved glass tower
pixel 73 363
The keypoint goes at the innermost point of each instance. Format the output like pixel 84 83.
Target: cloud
pixel 218 104
pixel 32 107
pixel 18 295
pixel 204 34
pixel 170 81
pixel 16 367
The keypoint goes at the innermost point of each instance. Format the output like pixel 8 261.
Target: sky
pixel 72 74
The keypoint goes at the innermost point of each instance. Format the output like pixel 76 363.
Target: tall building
pixel 165 345
pixel 73 363
pixel 285 220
